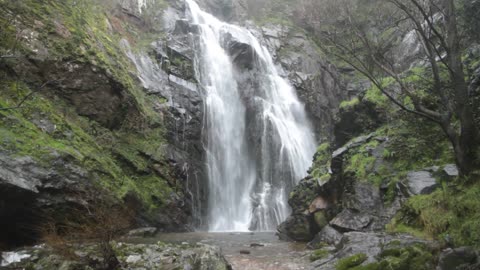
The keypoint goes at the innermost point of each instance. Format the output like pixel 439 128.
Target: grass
pixel 449 214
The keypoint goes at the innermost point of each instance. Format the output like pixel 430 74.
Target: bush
pixel 101 221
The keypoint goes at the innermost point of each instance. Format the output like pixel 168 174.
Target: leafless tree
pixel 446 100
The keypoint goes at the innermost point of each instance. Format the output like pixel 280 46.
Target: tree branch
pixel 18 106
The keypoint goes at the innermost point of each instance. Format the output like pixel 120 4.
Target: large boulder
pixel 350 220
pixel 296 227
pixel 458 258
pixel 328 235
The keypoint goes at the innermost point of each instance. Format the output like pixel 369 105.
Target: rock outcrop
pixel 130 256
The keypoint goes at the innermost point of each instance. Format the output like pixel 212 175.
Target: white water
pixel 248 180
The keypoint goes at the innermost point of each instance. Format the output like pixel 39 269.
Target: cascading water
pixel 248 179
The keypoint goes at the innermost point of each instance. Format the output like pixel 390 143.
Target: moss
pixel 350 103
pixel 320 219
pixel 319 254
pixel 95 153
pixel 416 256
pixel 120 160
pixel 351 262
pixel 360 162
pixel 449 214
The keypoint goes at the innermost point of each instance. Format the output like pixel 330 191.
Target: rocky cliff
pixel 102 95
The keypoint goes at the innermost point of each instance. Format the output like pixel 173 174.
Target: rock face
pixel 318 83
pixel 27 190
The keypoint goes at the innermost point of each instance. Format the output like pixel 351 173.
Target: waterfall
pixel 249 179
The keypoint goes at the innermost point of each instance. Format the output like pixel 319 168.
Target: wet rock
pixel 421 182
pixel 28 189
pixel 143 232
pixel 243 55
pixel 296 227
pixel 245 252
pixel 349 220
pixel 458 258
pixel 303 195
pixel 328 235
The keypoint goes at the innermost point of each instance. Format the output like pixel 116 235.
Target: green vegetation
pixel 120 161
pixel 412 257
pixel 321 162
pixel 351 262
pixel 319 254
pixel 449 214
pixel 350 104
pixel 82 32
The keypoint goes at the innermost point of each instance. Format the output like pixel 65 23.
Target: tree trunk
pixel 466 145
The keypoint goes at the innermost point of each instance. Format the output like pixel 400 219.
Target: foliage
pixel 350 104
pixel 416 256
pixel 449 214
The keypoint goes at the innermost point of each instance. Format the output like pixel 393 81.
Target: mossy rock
pixel 320 219
pixel 319 254
pixel 351 262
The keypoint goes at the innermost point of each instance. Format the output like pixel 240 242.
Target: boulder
pixel 451 259
pixel 350 220
pixel 328 235
pixel 450 171
pixel 421 182
pixel 296 227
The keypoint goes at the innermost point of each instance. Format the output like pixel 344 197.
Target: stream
pixel 266 252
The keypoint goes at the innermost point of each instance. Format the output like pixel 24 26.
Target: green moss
pixel 104 154
pixel 351 262
pixel 319 254
pixel 448 213
pixel 350 103
pixel 321 163
pixel 360 163
pixel 412 257
pixel 375 96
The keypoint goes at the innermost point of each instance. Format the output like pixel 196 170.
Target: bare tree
pixel 446 100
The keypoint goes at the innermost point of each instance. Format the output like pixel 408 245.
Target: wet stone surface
pixel 266 251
